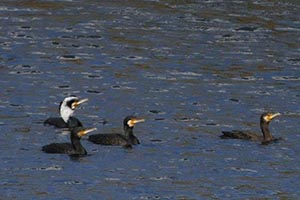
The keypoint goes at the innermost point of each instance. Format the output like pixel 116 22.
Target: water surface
pixel 191 68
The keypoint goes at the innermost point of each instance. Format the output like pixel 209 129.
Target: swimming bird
pixel 127 139
pixel 266 138
pixel 66 109
pixel 73 148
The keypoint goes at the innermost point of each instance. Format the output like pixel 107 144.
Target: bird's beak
pixel 86 131
pixel 77 103
pixel 132 122
pixel 272 116
pixel 135 121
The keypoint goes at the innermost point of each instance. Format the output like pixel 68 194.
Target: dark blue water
pixel 190 68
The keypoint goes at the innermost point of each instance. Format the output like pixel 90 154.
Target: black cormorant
pixel 73 148
pixel 66 109
pixel 127 139
pixel 266 138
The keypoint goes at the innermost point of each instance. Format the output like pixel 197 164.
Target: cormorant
pixel 66 109
pixel 73 148
pixel 127 139
pixel 266 138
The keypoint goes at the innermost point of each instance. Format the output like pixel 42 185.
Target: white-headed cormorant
pixel 66 110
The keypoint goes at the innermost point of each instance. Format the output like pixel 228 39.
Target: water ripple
pixel 286 78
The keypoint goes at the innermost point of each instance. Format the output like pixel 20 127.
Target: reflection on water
pixel 192 69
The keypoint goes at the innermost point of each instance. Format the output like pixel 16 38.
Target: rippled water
pixel 191 68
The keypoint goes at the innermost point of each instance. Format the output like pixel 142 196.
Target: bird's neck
pixel 130 136
pixel 78 148
pixel 266 131
pixel 128 131
pixel 66 113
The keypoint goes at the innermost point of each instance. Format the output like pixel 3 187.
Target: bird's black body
pixel 73 148
pixel 266 138
pixel 58 122
pixel 108 139
pixel 61 148
pixel 126 139
pixel 244 135
pixel 113 139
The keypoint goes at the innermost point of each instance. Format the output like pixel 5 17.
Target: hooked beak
pixel 272 116
pixel 135 121
pixel 132 122
pixel 77 103
pixel 86 131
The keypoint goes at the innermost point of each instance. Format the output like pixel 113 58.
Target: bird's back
pixel 108 139
pixel 244 135
pixel 56 121
pixel 62 148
